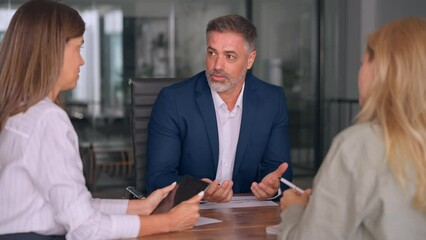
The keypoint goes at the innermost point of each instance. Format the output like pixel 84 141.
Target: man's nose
pixel 219 63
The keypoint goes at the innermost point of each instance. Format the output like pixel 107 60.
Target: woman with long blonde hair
pixel 42 188
pixel 372 184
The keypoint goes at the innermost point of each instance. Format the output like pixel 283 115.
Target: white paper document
pixel 273 230
pixel 205 220
pixel 238 202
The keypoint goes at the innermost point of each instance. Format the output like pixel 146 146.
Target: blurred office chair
pixel 115 161
pixel 144 92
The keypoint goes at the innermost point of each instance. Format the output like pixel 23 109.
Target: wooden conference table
pixel 237 223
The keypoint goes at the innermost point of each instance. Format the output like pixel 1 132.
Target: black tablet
pixel 187 188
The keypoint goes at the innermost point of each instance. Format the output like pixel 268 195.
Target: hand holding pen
pixel 145 205
pixel 294 196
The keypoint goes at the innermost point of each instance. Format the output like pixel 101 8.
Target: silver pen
pixel 135 192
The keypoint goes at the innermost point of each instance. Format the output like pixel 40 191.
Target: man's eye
pixel 231 57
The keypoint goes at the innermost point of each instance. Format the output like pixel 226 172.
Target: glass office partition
pixel 287 55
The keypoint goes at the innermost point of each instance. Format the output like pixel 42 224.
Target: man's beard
pixel 225 85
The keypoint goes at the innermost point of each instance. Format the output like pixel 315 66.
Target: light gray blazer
pixel 355 195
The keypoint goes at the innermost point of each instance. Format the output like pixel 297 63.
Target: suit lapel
pixel 205 105
pixel 250 108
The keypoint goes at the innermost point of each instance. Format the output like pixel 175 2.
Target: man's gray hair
pixel 234 23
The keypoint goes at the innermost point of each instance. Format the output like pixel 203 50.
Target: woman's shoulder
pixel 361 143
pixel 45 105
pixel 44 111
pixel 362 131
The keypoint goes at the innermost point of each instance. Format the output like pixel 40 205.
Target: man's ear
pixel 250 60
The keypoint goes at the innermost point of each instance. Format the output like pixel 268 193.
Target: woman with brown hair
pixel 372 184
pixel 42 187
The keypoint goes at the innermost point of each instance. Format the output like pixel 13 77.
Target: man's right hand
pixel 218 192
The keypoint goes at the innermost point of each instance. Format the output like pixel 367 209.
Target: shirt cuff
pixel 278 194
pixel 125 226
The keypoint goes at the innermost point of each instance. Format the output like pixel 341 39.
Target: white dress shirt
pixel 42 187
pixel 228 126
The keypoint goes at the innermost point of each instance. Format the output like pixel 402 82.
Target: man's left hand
pixel 269 185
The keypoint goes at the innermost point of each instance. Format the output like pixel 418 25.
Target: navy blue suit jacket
pixel 183 136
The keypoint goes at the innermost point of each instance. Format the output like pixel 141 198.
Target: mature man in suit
pixel 222 125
